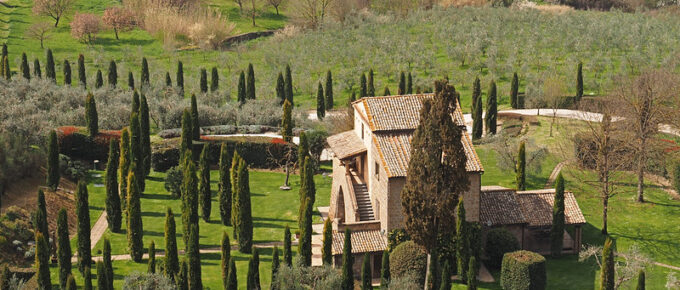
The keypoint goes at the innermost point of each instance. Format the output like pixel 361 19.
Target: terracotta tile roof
pixel 388 113
pixel 362 242
pixel 537 207
pixel 499 206
pixel 394 148
pixel 346 144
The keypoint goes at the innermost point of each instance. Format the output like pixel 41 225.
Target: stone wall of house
pixel 472 197
pixel 378 187
pixel 338 203
pixel 396 213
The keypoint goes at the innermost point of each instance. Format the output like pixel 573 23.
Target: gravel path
pixel 553 175
pixel 98 230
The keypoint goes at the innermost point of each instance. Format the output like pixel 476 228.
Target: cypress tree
pixel 409 84
pixel 253 272
pixel 136 153
pixel 287 122
pixel 370 88
pixel 477 127
pixel 82 79
pixel 113 210
pixel 124 166
pixel 145 72
pixel 180 77
pixel 275 267
pixel 402 83
pixel 579 81
pixel 241 97
pixel 187 135
pixel 5 277
pixel 91 116
pixel 476 94
pixel 256 260
pixel 289 86
pixel 215 80
pixel 287 251
pixel 363 90
pixel 131 80
pixel 204 81
pixel 36 69
pixel 195 281
pixel 462 241
pixel 232 283
pixel 366 275
pixel 102 279
pixel 67 73
pixel 434 280
pixel 195 126
pixel 250 83
pixel 446 277
pixel 182 277
pixel 189 198
pixel 387 91
pixel 243 224
pixel 171 259
pixel 329 91
pixel 326 249
pixel 305 244
pixel 472 274
pixel 307 188
pixel 144 124
pixel 557 230
pixel 50 71
pixel 135 229
pixel 53 173
pixel 641 281
pixel 87 276
pixel 204 194
pixel 71 283
pixel 99 80
pixel 6 69
pixel 320 106
pixel 520 178
pixel 63 248
pixel 303 152
pixel 280 89
pixel 83 226
pixel 113 74
pixel 168 80
pixel 514 89
pixel 151 266
pixel 347 263
pixel 226 257
pixel 107 262
pixel 40 221
pixel 42 261
pixel 25 70
pixel 385 276
pixel 607 274
pixel 491 109
pixel 224 186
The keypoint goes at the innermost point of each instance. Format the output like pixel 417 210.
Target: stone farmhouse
pixel 369 171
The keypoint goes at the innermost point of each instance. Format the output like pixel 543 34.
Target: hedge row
pixel 75 142
pixel 523 270
pixel 227 130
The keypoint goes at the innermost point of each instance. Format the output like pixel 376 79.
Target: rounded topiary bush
pixel 498 242
pixel 408 259
pixel 523 270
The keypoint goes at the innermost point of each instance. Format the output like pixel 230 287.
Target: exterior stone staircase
pixel 364 202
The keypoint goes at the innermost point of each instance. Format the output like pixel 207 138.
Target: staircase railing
pixel 352 195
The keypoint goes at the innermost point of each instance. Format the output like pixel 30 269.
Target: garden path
pixel 98 230
pixel 553 175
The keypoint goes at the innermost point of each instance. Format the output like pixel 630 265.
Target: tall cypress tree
pixel 472 273
pixel 226 257
pixel 370 87
pixel 215 80
pixel 189 198
pixel 607 274
pixel 82 78
pixel 385 276
pixel 67 72
pixel 131 80
pixel 53 173
pixel 520 179
pixel 113 210
pixel 136 154
pixel 446 277
pixel 434 280
pixel 195 126
pixel 144 124
pixel 194 257
pixel 241 97
pixel 87 276
pixel 171 259
pixel 579 81
pixel 243 224
pixel 287 251
pixel 42 261
pixel 327 243
pixel 180 77
pixel 347 262
pixel 329 91
pixel 70 283
pixel 102 279
pixel 25 70
pixel 363 91
pixel 476 94
pixel 36 69
pixel 641 280
pixel 462 241
pixel 232 283
pixel 409 84
pixel 63 248
pixel 253 277
pixel 224 186
pixel 289 85
pixel 491 109
pixel 113 74
pixel 99 80
pixel 6 70
pixel 168 80
pixel 203 81
pixel 275 267
pixel 83 226
pixel 50 71
pixel 250 83
pixel 557 230
pixel 91 116
pixel 287 122
pixel 124 166
pixel 107 262
pixel 204 193
pixel 305 244
pixel 151 265
pixel 187 136
pixel 514 89
pixel 182 279
pixel 280 88
pixel 366 275
pixel 402 83
pixel 320 106
pixel 135 229
pixel 477 127
pixel 303 152
pixel 145 72
pixel 387 91
pixel 40 218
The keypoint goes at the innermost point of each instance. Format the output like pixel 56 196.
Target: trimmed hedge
pixel 259 152
pixel 227 130
pixel 523 270
pixel 76 143
pixel 408 259
pixel 499 241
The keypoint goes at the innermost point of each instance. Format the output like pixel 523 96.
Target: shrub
pixel 173 181
pixel 408 258
pixel 498 242
pixel 137 280
pixel 72 169
pixel 523 270
pixel 299 277
pixel 396 237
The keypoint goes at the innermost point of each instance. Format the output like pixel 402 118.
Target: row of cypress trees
pixel 490 119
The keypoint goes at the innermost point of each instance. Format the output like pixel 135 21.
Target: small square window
pixel 377 171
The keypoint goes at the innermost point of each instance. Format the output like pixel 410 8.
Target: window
pixel 377 171
pixel 362 131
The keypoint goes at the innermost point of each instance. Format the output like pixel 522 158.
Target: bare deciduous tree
pixel 506 152
pixel 240 4
pixel 39 31
pixel 276 4
pixel 311 13
pixel 52 8
pixel 120 19
pixel 85 26
pixel 627 267
pixel 554 90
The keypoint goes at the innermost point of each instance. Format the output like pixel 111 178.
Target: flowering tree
pixel 120 19
pixel 85 26
pixel 52 8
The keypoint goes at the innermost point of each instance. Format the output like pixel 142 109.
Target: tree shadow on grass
pixel 267 225
pixel 154 234
pixel 153 214
pixel 158 196
pixel 272 219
